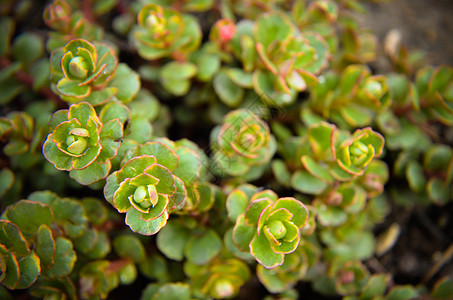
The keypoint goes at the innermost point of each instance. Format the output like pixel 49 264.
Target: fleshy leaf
pixel 201 249
pixel 129 246
pixel 29 215
pixel 172 240
pixel 263 253
pixel 138 225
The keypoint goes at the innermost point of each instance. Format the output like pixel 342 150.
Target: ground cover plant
pixel 201 149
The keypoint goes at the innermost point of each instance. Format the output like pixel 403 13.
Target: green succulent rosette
pixel 295 267
pixel 81 71
pixel 351 99
pixel 354 154
pixel 81 143
pixel 146 189
pixel 221 279
pixel 163 31
pixel 350 277
pixel 57 14
pixel 243 145
pixel 270 227
pixel 281 60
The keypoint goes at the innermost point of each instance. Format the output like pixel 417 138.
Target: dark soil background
pixel 424 25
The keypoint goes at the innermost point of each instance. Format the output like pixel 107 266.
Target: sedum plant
pixel 199 149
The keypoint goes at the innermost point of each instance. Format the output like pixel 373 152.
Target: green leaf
pixel 243 234
pixel 240 78
pixel 28 47
pixel 29 215
pixel 304 182
pixel 415 176
pixel 236 204
pixel 404 292
pixel 10 268
pixel 264 84
pixel 296 208
pixel 135 166
pixel 40 71
pixel 330 215
pixel 255 209
pixel 29 271
pixel 166 184
pixel 165 156
pixel 9 89
pixel 375 286
pixel 443 289
pixel 263 253
pixel 139 130
pixel 111 111
pixel 91 174
pixel 65 258
pixel 177 70
pixel 168 291
pixel 140 226
pixel 316 169
pixel 12 239
pixel 86 242
pixel 281 173
pixel 45 246
pixel 72 88
pixel 272 27
pixel 230 93
pixel 437 190
pixel 101 248
pixel 127 82
pixel 208 65
pixel 189 166
pixel 201 249
pixel 172 240
pixel 128 246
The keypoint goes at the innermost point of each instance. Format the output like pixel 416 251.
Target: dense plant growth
pixel 200 149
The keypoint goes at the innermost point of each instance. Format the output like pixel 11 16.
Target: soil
pixel 424 25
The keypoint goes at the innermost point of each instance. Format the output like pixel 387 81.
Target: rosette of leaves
pixel 29 245
pixel 163 32
pixel 68 25
pixel 84 71
pixel 323 157
pixel 80 71
pixel 242 145
pixel 293 269
pixel 322 17
pixel 17 129
pixel 429 176
pixel 169 290
pixel 221 279
pixel 282 60
pixel 350 277
pixel 355 153
pixel 353 99
pixel 435 88
pixel 269 227
pixel 82 143
pixel 146 187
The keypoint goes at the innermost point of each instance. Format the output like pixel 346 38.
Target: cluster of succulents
pixel 214 150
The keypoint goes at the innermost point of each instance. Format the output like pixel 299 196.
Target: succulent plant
pixel 146 189
pixel 163 31
pixel 270 147
pixel 243 145
pixel 221 279
pixel 270 227
pixel 81 143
